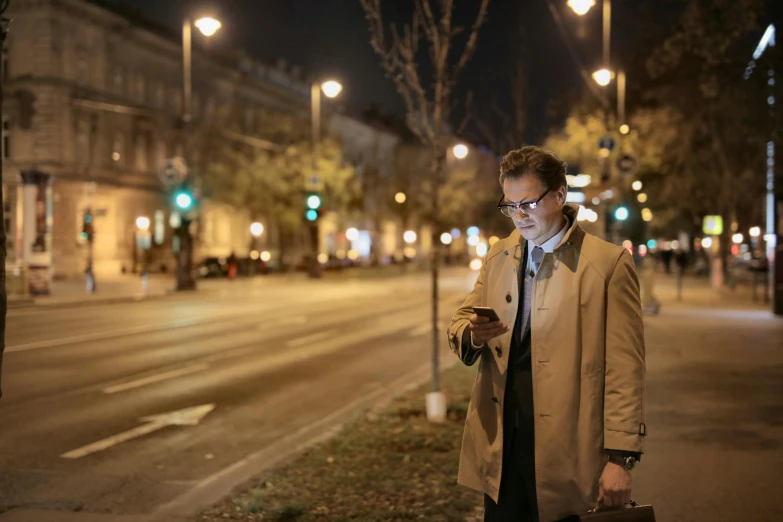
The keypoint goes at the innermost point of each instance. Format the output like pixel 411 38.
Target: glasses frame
pixel 525 207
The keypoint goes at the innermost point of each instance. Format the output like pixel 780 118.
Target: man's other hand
pixel 484 330
pixel 614 487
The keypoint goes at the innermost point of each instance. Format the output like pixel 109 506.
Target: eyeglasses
pixel 510 209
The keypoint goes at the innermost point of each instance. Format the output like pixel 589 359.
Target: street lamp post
pixel 208 27
pixel 331 89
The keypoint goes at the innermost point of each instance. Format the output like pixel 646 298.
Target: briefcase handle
pixel 598 508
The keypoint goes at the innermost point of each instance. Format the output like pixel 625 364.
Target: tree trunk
pixel 437 165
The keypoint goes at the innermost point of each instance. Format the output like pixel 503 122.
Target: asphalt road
pixel 264 360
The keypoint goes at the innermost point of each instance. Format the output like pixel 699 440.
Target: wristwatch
pixel 627 463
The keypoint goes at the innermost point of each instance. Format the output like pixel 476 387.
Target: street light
pixel 143 223
pixel 460 151
pixel 737 238
pixel 331 88
pixel 352 234
pixel 400 197
pixel 603 77
pixel 581 7
pixel 625 129
pixel 647 215
pixel 445 238
pixel 636 185
pixel 208 25
pixel 755 232
pixel 256 229
pixel 409 237
pixel 641 197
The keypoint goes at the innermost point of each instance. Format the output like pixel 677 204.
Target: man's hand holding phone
pixel 485 325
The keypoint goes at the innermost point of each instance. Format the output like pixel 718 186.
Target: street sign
pixel 712 225
pixel 627 164
pixel 607 142
pixel 173 171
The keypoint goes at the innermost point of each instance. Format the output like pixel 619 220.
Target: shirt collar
pixel 551 243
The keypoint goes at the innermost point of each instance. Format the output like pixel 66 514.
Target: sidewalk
pixel 714 376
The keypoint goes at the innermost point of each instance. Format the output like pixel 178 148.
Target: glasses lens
pixel 507 210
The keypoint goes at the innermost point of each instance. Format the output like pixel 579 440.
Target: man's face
pixel 543 222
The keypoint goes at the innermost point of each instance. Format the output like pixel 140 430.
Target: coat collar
pixel 573 236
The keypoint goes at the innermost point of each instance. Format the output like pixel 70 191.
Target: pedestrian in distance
pixel 556 420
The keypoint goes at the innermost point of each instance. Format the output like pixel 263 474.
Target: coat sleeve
pixel 624 392
pixel 459 329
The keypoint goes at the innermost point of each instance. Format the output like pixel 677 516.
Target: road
pixel 265 359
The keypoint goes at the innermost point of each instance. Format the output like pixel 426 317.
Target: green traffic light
pixel 621 214
pixel 313 202
pixel 183 200
pixel 311 215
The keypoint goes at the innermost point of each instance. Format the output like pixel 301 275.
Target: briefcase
pixel 635 513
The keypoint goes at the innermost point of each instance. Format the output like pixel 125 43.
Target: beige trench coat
pixel 587 362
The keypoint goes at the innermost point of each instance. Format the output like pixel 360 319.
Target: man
pixel 556 417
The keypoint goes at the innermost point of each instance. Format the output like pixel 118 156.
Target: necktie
pixel 537 256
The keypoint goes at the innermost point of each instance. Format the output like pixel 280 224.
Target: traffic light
pixel 621 213
pixel 313 211
pixel 88 229
pixel 184 200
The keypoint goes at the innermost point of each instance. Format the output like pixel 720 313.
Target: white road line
pixel 302 341
pixel 155 378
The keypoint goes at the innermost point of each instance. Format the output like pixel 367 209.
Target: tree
pixel 428 108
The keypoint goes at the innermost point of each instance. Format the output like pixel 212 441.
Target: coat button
pixel 505 252
pixel 508 298
pixel 495 399
pixel 499 351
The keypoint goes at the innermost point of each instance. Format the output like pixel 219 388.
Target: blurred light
pixel 771 239
pixel 352 234
pixel 340 254
pixel 579 181
pixel 737 238
pixel 208 26
pixel 323 258
pixel 604 153
pixel 476 264
pixel 143 223
pixel 184 200
pixel 607 194
pixel 675 244
pixel 647 214
pixel 766 39
pixel 665 245
pixel 265 256
pixel 115 156
pixel 592 217
pixel 624 129
pixel 473 240
pixel 353 255
pixel 455 233
pixel 628 245
pixel 254 254
pixel 460 151
pixel 580 7
pixel 410 252
pixel 256 229
pixel 621 214
pixel 603 77
pixel 473 231
pixel 400 197
pixel 409 237
pixel 642 250
pixel 636 185
pixel 651 244
pixel 445 238
pixel 575 197
pixel 641 198
pixel 734 249
pixel 174 220
pixel 311 215
pixel 706 242
pixel 596 201
pixel 399 256
pixel 331 88
pixel 493 240
pixel 481 249
pixel 755 232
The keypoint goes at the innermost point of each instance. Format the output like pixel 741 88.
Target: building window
pixel 141 152
pixel 81 68
pixel 160 227
pixel 160 96
pixel 118 148
pixel 141 88
pixel 119 81
pixel 83 142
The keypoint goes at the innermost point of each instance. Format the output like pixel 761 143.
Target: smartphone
pixel 485 311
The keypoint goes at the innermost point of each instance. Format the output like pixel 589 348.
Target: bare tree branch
pixel 470 47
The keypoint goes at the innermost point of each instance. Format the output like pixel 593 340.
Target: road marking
pixel 424 329
pixel 155 378
pixel 184 417
pixel 302 341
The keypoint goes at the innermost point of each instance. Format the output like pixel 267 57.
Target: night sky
pixel 329 38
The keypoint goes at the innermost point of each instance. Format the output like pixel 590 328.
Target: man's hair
pixel 539 162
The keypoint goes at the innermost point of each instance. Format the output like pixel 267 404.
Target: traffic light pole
pixel 185 279
pixel 315 103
